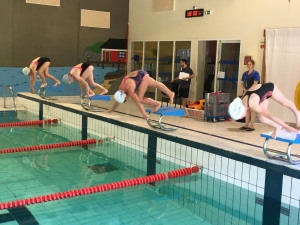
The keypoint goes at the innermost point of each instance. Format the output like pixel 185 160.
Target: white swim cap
pixel 120 96
pixel 26 71
pixel 236 109
pixel 66 79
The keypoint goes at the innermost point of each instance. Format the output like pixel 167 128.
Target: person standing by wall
pixel 249 78
pixel 185 82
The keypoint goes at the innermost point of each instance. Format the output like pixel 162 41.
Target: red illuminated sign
pixel 194 13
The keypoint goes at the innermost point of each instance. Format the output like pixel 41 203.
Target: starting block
pixel 164 111
pixel 88 106
pixel 283 136
pixel 42 92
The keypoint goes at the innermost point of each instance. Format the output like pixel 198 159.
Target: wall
pixel 20 83
pixel 230 20
pixel 32 30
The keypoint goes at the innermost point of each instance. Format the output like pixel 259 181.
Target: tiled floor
pixel 225 134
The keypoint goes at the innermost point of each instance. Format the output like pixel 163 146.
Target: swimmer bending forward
pixel 256 99
pixel 138 81
pixel 41 66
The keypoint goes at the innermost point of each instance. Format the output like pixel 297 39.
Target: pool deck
pixel 223 134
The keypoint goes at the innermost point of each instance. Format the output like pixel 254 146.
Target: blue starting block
pixel 88 106
pixel 42 91
pixel 283 136
pixel 164 111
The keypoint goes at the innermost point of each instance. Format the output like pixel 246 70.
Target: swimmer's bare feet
pixel 92 94
pixel 104 92
pixel 32 91
pixel 56 83
pixel 274 134
pixel 43 85
pixel 171 98
pixel 291 129
pixel 156 107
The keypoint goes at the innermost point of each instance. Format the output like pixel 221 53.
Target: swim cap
pixel 120 96
pixel 26 71
pixel 66 79
pixel 236 109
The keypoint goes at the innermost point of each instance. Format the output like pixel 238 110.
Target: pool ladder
pixel 13 96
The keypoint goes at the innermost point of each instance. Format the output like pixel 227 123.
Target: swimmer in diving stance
pixel 134 85
pixel 257 99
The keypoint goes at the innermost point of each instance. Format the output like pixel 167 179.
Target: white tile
pixel 199 157
pixel 217 175
pixel 253 175
pixel 230 180
pixel 159 147
pixel 285 199
pixel 252 188
pixel 245 185
pixel 295 193
pixel 231 168
pixel 238 170
pixel 205 158
pixel 182 152
pixel 224 168
pixel 211 162
pixel 246 173
pixel 205 170
pixel 168 146
pixel 211 173
pixel 224 178
pixel 218 164
pixel 295 203
pixel 286 186
pixel 238 182
pixel 188 156
pixel 260 191
pixel 261 173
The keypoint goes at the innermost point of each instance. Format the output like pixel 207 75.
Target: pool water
pixel 36 173
pixel 195 199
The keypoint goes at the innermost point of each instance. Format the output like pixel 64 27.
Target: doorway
pixel 228 67
pixel 207 53
pixel 107 56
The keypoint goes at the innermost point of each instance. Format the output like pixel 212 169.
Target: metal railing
pixel 13 96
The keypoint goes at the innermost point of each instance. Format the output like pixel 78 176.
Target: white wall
pixel 230 20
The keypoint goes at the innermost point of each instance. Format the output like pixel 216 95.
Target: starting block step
pixel 167 111
pixel 42 91
pixel 87 106
pixel 283 136
pixel 164 111
pixel 100 97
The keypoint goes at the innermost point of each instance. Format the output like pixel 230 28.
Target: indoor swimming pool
pixel 195 199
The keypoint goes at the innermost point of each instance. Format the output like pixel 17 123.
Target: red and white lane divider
pixel 28 123
pixel 49 146
pixel 98 188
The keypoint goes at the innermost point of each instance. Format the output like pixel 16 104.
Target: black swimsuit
pixel 264 92
pixel 41 61
pixel 84 66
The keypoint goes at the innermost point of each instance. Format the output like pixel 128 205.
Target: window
pixel 122 54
